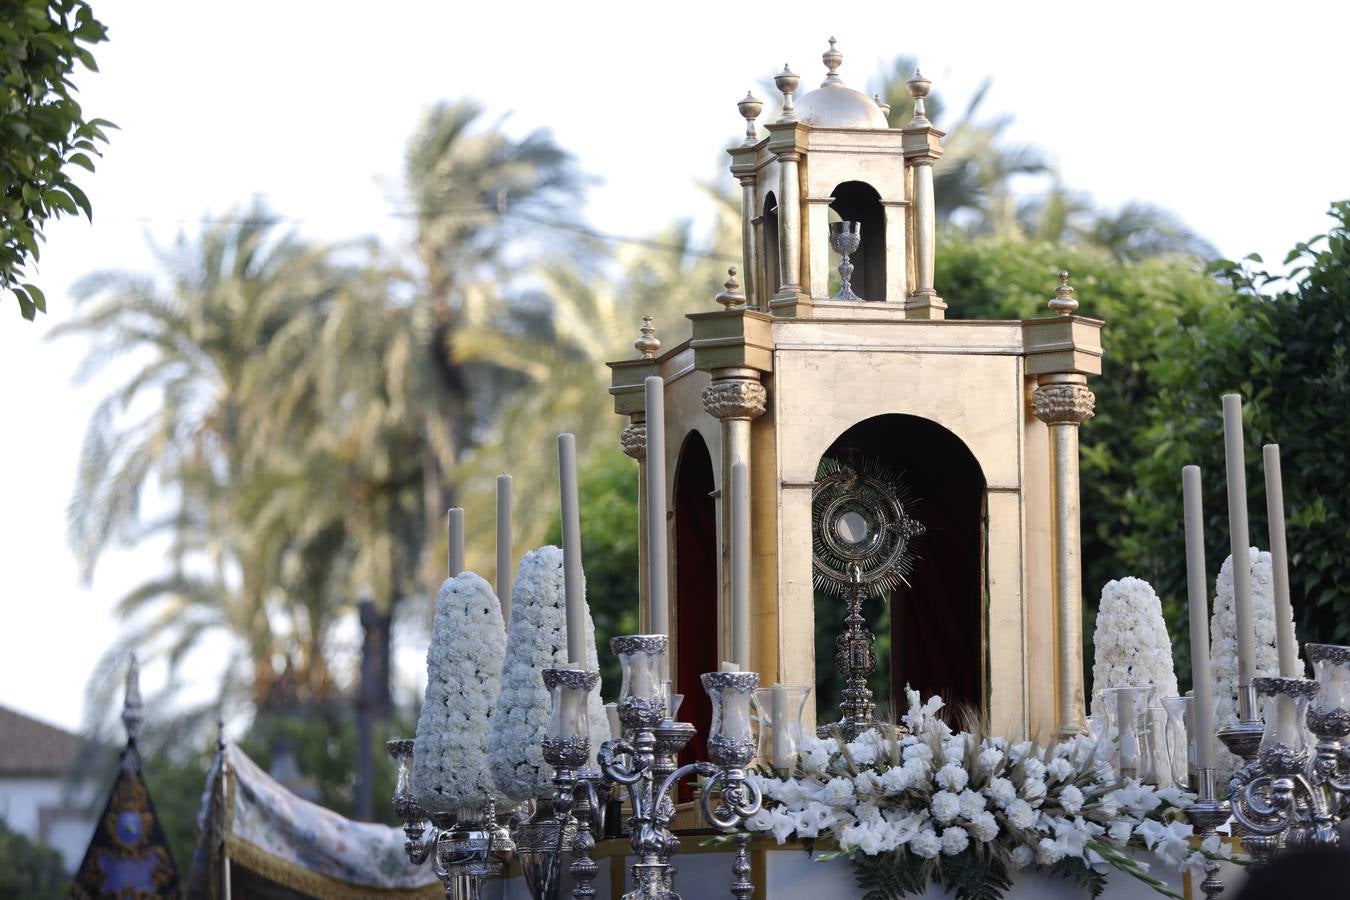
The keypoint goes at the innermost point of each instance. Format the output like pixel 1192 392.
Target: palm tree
pixel 192 421
pixel 475 193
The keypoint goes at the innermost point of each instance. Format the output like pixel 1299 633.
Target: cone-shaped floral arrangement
pixel 468 641
pixel 1130 644
pixel 537 640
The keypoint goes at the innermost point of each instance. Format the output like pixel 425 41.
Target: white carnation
pixel 1001 791
pixel 984 827
pixel 952 777
pixel 1071 800
pixel 926 843
pixel 1023 856
pixel 946 806
pixel 954 840
pixel 468 641
pixel 1020 814
pixel 972 804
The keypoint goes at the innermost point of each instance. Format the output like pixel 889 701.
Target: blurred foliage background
pixel 298 417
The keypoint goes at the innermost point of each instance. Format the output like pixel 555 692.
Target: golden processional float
pixel 827 440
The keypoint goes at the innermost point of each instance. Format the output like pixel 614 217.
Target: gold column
pixel 1063 402
pixel 735 398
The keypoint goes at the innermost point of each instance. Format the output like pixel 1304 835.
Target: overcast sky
pixel 1230 114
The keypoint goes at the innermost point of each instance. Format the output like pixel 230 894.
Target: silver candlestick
pixel 1207 814
pixel 845 237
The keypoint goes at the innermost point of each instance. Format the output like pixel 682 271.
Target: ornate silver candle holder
pixel 845 238
pixel 1276 799
pixel 467 848
pixel 635 761
pixel 406 806
pixel 567 746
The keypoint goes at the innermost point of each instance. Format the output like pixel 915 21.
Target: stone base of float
pixel 785 872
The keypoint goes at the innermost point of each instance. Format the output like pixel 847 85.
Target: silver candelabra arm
pixel 616 770
pixel 1265 805
pixel 739 798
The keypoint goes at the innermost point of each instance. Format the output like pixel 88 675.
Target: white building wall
pixel 68 822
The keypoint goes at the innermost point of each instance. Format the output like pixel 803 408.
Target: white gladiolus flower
pixel 1120 831
pixel 1131 646
pixel 468 641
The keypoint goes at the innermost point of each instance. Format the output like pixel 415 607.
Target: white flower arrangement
pixel 1223 646
pixel 537 640
pixel 468 641
pixel 1131 646
pixel 964 810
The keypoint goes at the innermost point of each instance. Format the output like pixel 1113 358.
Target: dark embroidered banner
pixel 128 857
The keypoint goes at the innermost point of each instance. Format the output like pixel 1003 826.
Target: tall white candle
pixel 505 574
pixel 454 519
pixel 782 740
pixel 1197 592
pixel 574 588
pixel 657 597
pixel 1238 538
pixel 1279 563
pixel 740 565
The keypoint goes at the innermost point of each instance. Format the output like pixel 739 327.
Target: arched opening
pixel 695 582
pixel 858 201
pixel 770 277
pixel 930 634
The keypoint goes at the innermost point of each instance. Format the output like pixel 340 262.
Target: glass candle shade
pixel 1157 768
pixel 780 708
pixel 1329 711
pixel 642 700
pixel 1121 705
pixel 1284 704
pixel 1177 741
pixel 567 734
pixel 729 739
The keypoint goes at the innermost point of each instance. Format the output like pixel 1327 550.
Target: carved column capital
pixel 634 439
pixel 1063 403
pixel 735 398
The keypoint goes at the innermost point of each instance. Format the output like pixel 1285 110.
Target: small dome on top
pixel 833 105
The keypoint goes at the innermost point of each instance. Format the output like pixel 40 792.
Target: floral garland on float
pixel 926 804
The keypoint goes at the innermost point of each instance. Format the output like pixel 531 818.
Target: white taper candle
pixel 1238 539
pixel 1279 563
pixel 454 520
pixel 505 573
pixel 657 598
pixel 1197 592
pixel 574 585
pixel 740 565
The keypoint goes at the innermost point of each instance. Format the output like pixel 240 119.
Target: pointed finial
pixel 787 81
pixel 832 59
pixel 918 89
pixel 1063 302
pixel 731 296
pixel 883 106
pixel 132 715
pixel 750 108
pixel 647 345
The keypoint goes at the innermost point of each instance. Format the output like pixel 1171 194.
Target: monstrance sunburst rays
pixel 862 532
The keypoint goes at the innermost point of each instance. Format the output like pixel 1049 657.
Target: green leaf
pixel 27 308
pixel 81 160
pixel 39 298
